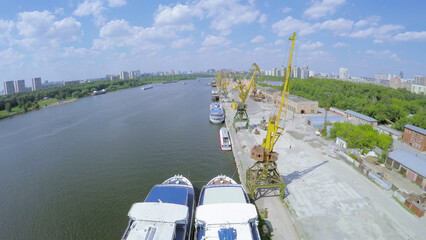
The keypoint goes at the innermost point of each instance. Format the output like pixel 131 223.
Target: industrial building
pixel 395 134
pixel 415 137
pixel 302 105
pixel 359 118
pixel 318 121
pixel 409 164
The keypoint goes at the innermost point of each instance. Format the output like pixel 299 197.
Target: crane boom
pixel 273 134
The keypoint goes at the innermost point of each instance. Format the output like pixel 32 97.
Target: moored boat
pixel 146 87
pixel 215 95
pixel 94 93
pixel 167 212
pixel 225 141
pixel 224 212
pixel 217 115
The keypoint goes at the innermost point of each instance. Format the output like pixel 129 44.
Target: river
pixel 73 171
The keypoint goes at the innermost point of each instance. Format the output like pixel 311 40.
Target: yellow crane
pixel 241 106
pixel 264 173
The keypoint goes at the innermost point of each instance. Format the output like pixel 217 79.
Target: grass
pixel 15 110
pixel 405 207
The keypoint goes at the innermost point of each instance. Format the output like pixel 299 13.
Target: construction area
pixel 323 197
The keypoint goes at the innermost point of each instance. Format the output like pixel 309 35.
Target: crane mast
pixel 264 173
pixel 241 106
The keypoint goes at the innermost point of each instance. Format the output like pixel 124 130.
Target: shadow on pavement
pixel 288 179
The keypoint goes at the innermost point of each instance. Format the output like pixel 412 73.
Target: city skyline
pixel 65 40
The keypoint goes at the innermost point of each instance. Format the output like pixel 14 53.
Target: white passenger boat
pixel 224 212
pixel 217 115
pixel 166 214
pixel 225 141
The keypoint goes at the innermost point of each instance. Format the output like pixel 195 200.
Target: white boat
pixel 225 140
pixel 146 87
pixel 167 212
pixel 224 212
pixel 217 115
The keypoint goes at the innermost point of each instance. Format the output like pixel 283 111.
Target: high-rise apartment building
pixel 124 75
pixel 305 72
pixel 36 84
pixel 20 86
pixel 9 87
pixel 295 72
pixel 274 72
pixel 419 80
pixel 283 71
pixel 343 73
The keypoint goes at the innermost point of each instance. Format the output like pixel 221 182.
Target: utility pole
pixel 324 130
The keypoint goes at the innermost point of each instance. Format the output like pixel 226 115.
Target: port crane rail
pixel 240 107
pixel 264 174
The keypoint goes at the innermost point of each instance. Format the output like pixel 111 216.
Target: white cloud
pixel 286 10
pixel 411 36
pixel 338 26
pixel 323 8
pixel 289 25
pixel 262 19
pixel 340 44
pixel 373 20
pixel 78 52
pixel 279 42
pixel 258 39
pixel 214 41
pixel 182 42
pixel 5 28
pixel 227 13
pixel 179 16
pixel 119 33
pixel 383 54
pixel 10 58
pixel 361 23
pixel 310 46
pixel 91 7
pixel 116 3
pixel 380 34
pixel 40 28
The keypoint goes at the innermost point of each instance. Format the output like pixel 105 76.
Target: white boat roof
pixel 224 132
pixel 222 194
pixel 156 221
pixel 230 215
pixel 158 212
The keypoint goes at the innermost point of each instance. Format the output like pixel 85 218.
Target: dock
pixel 269 205
pixel 325 198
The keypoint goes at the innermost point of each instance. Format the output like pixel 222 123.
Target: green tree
pixel 8 107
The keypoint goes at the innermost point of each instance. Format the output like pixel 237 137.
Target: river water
pixel 73 171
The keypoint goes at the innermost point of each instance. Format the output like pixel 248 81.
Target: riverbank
pixel 40 105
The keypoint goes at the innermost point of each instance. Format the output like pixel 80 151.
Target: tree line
pixel 29 100
pixel 387 105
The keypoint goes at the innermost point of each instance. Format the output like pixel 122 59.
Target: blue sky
pixel 68 40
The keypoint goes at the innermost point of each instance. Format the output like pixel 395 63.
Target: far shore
pixel 41 107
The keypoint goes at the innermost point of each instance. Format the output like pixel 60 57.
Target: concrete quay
pixel 325 197
pixel 277 214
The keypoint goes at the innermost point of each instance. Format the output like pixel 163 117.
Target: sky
pixel 78 39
